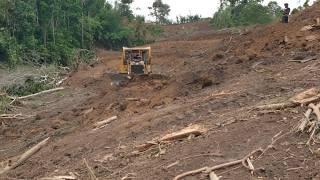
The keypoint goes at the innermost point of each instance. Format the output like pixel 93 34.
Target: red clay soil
pixel 201 76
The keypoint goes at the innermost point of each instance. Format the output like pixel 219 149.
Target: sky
pixel 205 8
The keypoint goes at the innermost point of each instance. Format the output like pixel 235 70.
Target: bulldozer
pixel 136 61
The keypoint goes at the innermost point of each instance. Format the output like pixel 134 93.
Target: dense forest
pixel 65 31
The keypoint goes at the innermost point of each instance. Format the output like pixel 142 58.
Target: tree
pixel 245 12
pixel 124 9
pixel 160 11
pixel 274 9
pixel 188 19
pixel 54 31
pixel 306 3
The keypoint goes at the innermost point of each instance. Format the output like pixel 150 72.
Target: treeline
pixel 245 12
pixel 188 19
pixel 61 31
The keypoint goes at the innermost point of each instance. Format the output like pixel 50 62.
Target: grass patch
pixel 4 104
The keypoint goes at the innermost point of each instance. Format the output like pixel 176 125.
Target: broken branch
pixel 210 169
pixel 195 130
pixel 277 106
pixel 304 60
pixel 59 178
pixel 184 133
pixel 304 121
pixel 24 156
pixel 14 116
pixel 102 124
pixel 213 176
pixel 41 93
pixel 316 110
pixel 91 173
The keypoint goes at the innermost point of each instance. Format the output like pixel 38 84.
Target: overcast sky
pixel 205 8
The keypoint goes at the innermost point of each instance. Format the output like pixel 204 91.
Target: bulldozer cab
pixel 136 61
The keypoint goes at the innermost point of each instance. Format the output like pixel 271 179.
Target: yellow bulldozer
pixel 136 61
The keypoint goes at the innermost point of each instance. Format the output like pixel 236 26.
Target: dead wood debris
pixel 304 60
pixel 13 164
pixel 104 123
pixel 213 176
pixel 224 165
pixel 65 177
pixel 277 106
pixel 191 157
pixel 313 26
pixel 310 124
pixel 90 170
pixel 129 176
pixel 304 98
pixel 137 99
pixel 245 161
pixel 195 130
pixel 61 81
pixel 14 116
pixel 40 93
pixel 15 99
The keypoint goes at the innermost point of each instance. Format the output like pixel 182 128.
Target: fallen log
pixel 210 169
pixel 304 60
pixel 195 130
pixel 102 124
pixel 307 96
pixel 133 99
pixel 184 133
pixel 59 178
pixel 24 156
pixel 15 116
pixel 40 93
pixel 146 146
pixel 277 106
pixel 61 81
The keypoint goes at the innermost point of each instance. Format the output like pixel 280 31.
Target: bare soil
pixel 200 76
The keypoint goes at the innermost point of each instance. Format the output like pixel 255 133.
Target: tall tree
pixel 54 31
pixel 160 11
pixel 124 8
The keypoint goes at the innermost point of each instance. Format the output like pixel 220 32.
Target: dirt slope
pixel 201 76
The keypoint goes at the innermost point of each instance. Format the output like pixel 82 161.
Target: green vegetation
pixel 59 31
pixel 300 8
pixel 234 13
pixel 33 80
pixel 187 19
pixel 30 86
pixel 160 11
pixel 4 103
